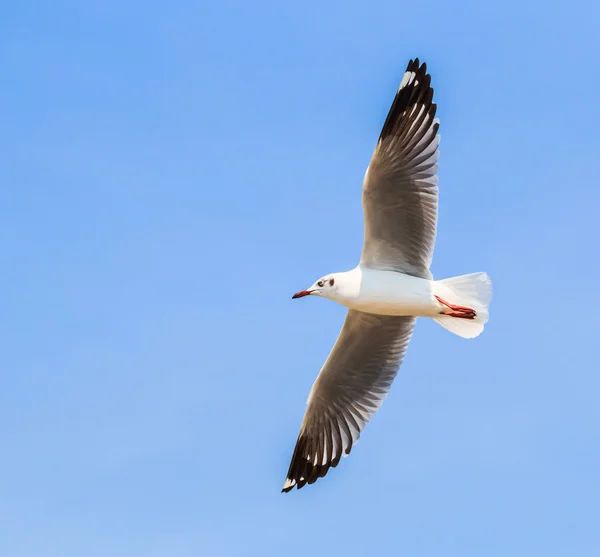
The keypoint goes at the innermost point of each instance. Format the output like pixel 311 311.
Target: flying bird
pixel 391 286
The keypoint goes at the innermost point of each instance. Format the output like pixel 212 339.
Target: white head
pixel 326 287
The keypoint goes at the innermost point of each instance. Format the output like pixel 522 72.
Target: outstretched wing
pixel 400 193
pixel 349 389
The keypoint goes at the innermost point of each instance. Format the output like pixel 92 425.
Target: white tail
pixel 472 291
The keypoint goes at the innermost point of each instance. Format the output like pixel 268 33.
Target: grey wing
pixel 350 388
pixel 400 193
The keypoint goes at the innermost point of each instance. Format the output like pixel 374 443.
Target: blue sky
pixel 171 173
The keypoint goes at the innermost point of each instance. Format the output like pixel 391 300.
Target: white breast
pixel 389 293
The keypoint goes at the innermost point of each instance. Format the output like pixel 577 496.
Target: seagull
pixel 391 286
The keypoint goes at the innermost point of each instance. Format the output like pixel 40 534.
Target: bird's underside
pixel 400 206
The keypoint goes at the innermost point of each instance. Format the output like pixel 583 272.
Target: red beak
pixel 301 294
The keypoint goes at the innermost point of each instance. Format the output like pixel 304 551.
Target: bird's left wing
pixel 400 193
pixel 350 388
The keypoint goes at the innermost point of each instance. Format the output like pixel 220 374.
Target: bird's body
pixel 386 292
pixel 390 287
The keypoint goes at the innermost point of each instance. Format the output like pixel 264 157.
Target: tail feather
pixel 471 291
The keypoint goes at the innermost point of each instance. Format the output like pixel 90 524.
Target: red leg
pixel 457 311
pixel 464 315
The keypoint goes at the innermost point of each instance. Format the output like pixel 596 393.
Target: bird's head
pixel 325 287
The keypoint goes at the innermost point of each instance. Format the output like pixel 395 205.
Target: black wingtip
pixel 414 65
pixel 413 89
pixel 302 471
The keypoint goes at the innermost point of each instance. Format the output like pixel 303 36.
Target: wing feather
pixel 349 389
pixel 400 193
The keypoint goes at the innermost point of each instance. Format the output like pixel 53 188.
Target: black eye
pixel 331 281
pixel 320 283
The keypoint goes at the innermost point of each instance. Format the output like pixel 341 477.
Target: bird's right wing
pixel 350 388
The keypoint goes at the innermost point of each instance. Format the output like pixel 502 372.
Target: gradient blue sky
pixel 172 172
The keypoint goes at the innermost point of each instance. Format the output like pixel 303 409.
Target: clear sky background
pixel 172 172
